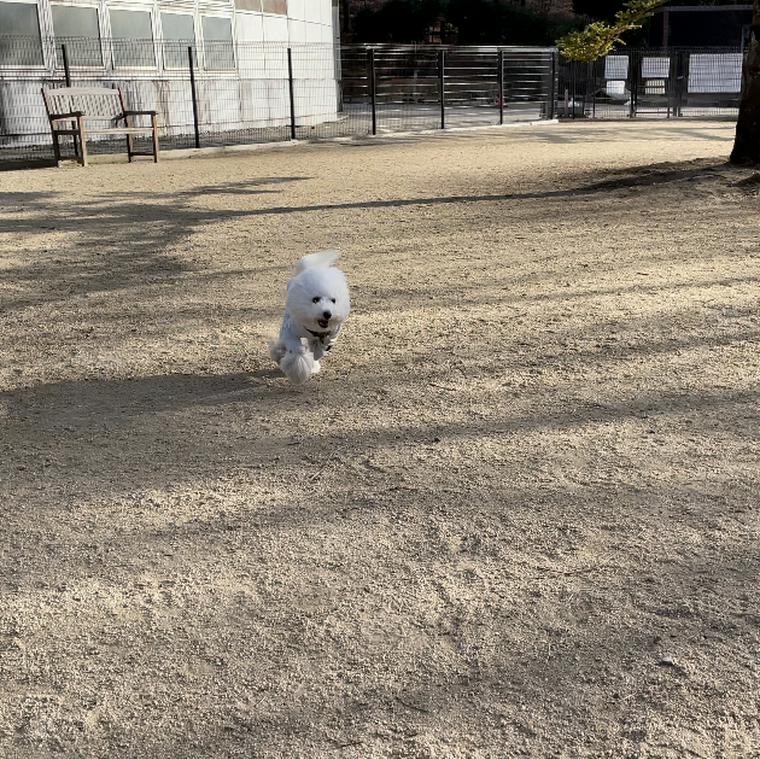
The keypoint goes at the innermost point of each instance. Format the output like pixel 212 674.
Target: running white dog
pixel 317 304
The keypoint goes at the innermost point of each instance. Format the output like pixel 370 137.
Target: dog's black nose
pixel 327 314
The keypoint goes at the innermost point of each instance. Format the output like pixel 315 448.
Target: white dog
pixel 317 304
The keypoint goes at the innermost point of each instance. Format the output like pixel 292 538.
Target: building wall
pixel 305 21
pixel 250 90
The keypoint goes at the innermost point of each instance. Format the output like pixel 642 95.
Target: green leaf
pixel 599 38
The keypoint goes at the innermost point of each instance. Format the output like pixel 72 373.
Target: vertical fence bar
pixel 292 96
pixel 501 86
pixel 553 84
pixel 373 89
pixel 66 70
pixel 67 77
pixel 194 94
pixel 682 81
pixel 633 75
pixel 442 85
pixel 573 77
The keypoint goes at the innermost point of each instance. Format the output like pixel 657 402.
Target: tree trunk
pixel 747 140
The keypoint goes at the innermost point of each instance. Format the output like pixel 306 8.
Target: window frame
pixel 101 39
pixel 231 19
pixel 41 66
pixel 133 9
pixel 177 12
pixel 276 14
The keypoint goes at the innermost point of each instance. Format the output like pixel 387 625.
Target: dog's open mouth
pixel 324 323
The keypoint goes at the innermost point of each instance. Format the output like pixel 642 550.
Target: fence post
pixel 573 76
pixel 195 96
pixel 553 85
pixel 633 74
pixel 67 77
pixel 292 96
pixel 442 85
pixel 501 86
pixel 373 89
pixel 584 76
pixel 66 71
pixel 682 81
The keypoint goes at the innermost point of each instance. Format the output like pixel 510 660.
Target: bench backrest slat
pixel 95 102
pixel 112 91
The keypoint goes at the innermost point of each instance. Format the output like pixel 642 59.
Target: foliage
pixel 600 37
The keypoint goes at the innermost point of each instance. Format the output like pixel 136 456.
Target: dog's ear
pixel 324 258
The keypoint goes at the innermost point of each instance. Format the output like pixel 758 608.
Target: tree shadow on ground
pixel 113 243
pixel 106 253
pixel 98 422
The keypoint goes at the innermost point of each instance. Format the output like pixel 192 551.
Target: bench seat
pixel 86 109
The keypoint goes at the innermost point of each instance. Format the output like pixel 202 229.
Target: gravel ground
pixel 516 514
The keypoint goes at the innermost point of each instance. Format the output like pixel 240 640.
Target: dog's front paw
pixel 297 366
pixel 277 350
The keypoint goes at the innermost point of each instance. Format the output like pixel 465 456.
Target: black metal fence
pixel 669 83
pixel 265 92
pixel 221 94
pixel 426 87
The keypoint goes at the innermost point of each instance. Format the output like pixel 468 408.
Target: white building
pixel 240 49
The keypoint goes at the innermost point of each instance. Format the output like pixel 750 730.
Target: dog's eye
pixel 332 299
pixel 315 300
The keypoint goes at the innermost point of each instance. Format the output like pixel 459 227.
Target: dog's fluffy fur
pixel 317 305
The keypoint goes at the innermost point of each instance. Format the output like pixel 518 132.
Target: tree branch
pixel 599 37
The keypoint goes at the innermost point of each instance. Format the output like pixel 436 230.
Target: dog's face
pixel 318 299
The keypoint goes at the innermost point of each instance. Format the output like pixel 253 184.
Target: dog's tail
pixel 322 259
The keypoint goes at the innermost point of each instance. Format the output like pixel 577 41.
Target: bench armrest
pixel 140 113
pixel 62 116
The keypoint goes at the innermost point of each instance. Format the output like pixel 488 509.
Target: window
pixel 217 43
pixel 248 5
pixel 276 6
pixel 132 34
pixel 178 34
pixel 78 29
pixel 20 43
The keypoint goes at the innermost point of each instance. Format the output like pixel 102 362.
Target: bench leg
pixel 82 141
pixel 75 140
pixel 154 124
pixel 56 149
pixel 129 148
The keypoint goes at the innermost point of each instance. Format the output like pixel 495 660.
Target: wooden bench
pixel 84 111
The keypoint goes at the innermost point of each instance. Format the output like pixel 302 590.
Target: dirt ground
pixel 516 514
